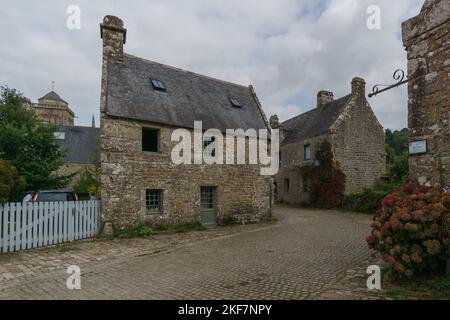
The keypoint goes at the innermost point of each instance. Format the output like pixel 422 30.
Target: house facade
pixel 427 40
pixel 355 134
pixel 142 104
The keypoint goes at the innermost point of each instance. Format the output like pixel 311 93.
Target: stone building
pixel 427 40
pixel 82 149
pixel 52 109
pixel 356 136
pixel 81 145
pixel 142 103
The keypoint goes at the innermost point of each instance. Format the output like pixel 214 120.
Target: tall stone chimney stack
pixel 114 36
pixel 323 98
pixel 359 88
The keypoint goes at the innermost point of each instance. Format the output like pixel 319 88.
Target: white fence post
pixel 30 225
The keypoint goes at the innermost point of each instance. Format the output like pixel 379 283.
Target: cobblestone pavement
pixel 308 254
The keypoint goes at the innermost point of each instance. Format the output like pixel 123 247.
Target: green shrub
pixel 411 229
pixel 139 231
pixel 368 201
pixel 179 228
pixel 11 184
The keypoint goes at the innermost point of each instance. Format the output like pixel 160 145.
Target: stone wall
pixel 427 40
pixel 56 115
pixel 358 145
pixel 127 172
pixel 291 161
pixel 72 168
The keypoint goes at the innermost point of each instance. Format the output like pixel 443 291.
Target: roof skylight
pixel 158 85
pixel 235 103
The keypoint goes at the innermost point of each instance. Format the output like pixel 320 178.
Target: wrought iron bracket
pixel 399 76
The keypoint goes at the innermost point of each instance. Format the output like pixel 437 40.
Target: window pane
pixel 150 140
pixel 49 197
pixel 307 152
pixel 153 201
pixel 207 198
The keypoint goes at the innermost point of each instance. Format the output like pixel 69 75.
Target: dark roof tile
pixel 190 97
pixel 81 144
pixel 314 122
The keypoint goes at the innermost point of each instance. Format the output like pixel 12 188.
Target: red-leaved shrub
pixel 411 229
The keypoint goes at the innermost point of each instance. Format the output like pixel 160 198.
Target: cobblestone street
pixel 308 254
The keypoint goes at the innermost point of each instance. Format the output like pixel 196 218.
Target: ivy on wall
pixel 325 179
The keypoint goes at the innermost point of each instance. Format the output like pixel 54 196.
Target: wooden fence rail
pixel 31 225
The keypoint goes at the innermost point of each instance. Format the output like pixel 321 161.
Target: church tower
pixel 52 109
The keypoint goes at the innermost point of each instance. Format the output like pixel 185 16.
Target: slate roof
pixel 52 95
pixel 82 144
pixel 314 123
pixel 190 97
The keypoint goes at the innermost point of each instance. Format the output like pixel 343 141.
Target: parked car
pixel 51 196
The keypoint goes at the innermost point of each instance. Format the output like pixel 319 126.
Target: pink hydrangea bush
pixel 411 229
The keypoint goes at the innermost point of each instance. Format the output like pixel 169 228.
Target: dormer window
pixel 158 85
pixel 235 102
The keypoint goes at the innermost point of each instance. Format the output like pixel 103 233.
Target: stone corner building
pixel 142 102
pixel 356 137
pixel 427 40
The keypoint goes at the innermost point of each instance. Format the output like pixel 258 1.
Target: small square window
pixel 150 140
pixel 307 152
pixel 158 85
pixel 153 201
pixel 235 102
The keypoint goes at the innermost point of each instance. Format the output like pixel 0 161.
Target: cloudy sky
pixel 289 50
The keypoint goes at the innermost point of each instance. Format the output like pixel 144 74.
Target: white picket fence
pixel 31 225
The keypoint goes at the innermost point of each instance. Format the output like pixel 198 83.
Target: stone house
pixel 142 103
pixel 427 41
pixel 356 136
pixel 82 149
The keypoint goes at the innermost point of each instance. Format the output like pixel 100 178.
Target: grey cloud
pixel 287 49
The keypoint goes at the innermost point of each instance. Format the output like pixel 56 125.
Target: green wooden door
pixel 208 206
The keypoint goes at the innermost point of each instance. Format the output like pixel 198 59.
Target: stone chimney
pixel 323 98
pixel 274 122
pixel 359 87
pixel 114 36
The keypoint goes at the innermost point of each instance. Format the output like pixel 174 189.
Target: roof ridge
pixel 298 116
pixel 186 71
pixel 309 111
pixel 79 127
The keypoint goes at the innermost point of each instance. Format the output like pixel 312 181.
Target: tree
pixel 326 179
pixel 397 155
pixel 11 184
pixel 397 140
pixel 90 180
pixel 28 144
